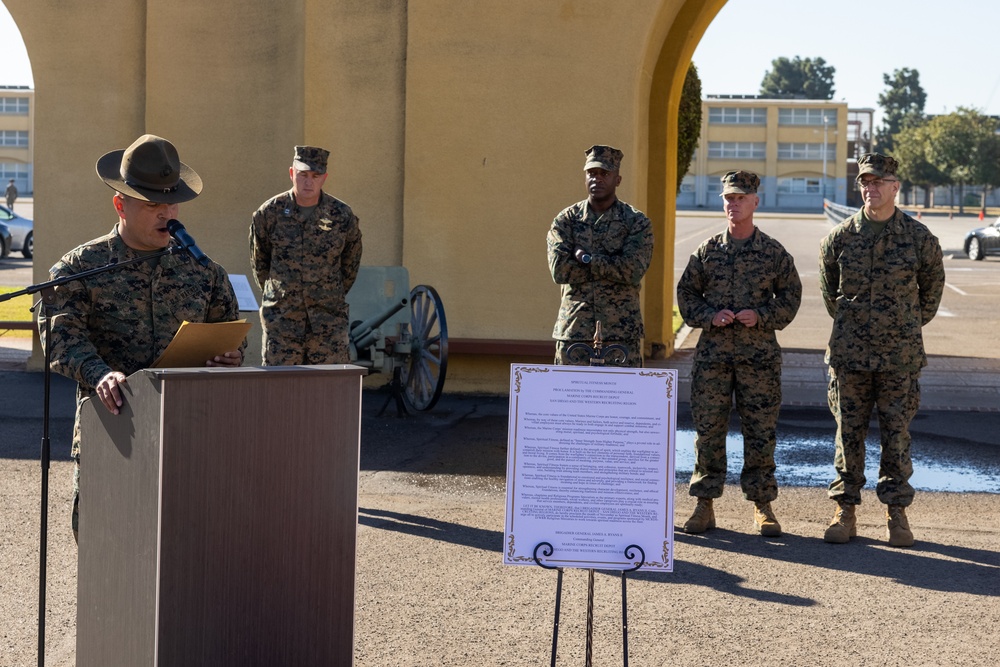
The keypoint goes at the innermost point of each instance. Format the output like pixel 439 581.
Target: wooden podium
pixel 218 519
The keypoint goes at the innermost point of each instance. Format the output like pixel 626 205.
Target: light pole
pixel 826 120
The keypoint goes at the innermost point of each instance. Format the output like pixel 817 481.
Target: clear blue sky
pixel 15 70
pixel 952 44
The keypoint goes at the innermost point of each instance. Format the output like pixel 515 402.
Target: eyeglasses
pixel 875 183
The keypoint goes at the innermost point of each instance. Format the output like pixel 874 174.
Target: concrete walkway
pixel 947 383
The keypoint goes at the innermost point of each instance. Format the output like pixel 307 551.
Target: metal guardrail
pixel 837 213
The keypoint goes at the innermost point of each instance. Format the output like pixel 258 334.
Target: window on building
pixel 15 138
pixel 750 150
pixel 807 116
pixel 687 185
pixel 800 186
pixel 19 172
pixel 737 116
pixel 798 151
pixel 14 105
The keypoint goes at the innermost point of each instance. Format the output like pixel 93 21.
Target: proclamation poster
pixel 590 467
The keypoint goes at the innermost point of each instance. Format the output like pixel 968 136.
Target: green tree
pixel 915 166
pixel 902 106
pixel 688 122
pixel 964 146
pixel 986 151
pixel 809 78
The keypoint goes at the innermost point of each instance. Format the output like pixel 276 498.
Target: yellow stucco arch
pixel 672 58
pixel 456 135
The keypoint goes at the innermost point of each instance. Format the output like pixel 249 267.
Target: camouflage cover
pixel 878 164
pixel 608 158
pixel 739 182
pixel 310 158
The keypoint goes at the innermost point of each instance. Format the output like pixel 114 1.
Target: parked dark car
pixel 983 241
pixel 4 240
pixel 21 232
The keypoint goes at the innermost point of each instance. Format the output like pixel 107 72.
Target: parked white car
pixel 21 232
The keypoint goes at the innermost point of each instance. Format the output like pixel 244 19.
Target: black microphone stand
pixel 47 302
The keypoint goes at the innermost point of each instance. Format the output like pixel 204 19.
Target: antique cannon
pixel 401 332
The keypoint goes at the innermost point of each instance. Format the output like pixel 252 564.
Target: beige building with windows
pixel 17 114
pixel 799 148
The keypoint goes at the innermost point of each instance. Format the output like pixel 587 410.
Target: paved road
pixel 966 324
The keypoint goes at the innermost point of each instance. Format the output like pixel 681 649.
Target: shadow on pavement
pixel 972 571
pixel 421 526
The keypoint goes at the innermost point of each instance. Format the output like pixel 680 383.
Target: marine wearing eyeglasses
pixel 882 277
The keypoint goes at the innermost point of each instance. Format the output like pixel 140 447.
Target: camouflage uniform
pixel 735 359
pixel 880 290
pixel 607 289
pixel 124 319
pixel 304 266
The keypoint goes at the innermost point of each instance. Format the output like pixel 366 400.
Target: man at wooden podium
pixel 108 326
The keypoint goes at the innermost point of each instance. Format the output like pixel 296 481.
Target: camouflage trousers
pixel 852 395
pixel 757 393
pixel 581 357
pixel 300 345
pixel 75 513
pixel 75 454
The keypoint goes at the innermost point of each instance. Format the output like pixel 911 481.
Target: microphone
pixel 180 234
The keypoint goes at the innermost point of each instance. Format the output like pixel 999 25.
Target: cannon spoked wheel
pixel 423 373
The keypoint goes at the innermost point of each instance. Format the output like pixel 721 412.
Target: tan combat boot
pixel 843 526
pixel 763 518
pixel 702 519
pixel 898 528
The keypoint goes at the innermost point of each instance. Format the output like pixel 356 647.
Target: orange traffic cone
pixel 920 214
pixel 981 214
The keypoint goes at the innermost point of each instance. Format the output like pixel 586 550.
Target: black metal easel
pixel 547 550
pixel 599 354
pixel 47 303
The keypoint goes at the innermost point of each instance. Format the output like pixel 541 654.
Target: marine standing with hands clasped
pixel 305 251
pixel 882 277
pixel 739 287
pixel 598 252
pixel 111 325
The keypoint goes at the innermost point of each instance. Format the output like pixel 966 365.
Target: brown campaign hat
pixel 150 170
pixel 603 157
pixel 310 158
pixel 740 182
pixel 878 164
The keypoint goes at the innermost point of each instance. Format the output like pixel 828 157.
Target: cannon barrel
pixel 361 333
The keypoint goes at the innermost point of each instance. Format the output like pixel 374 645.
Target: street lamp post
pixel 826 120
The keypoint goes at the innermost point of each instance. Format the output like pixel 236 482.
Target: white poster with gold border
pixel 590 467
